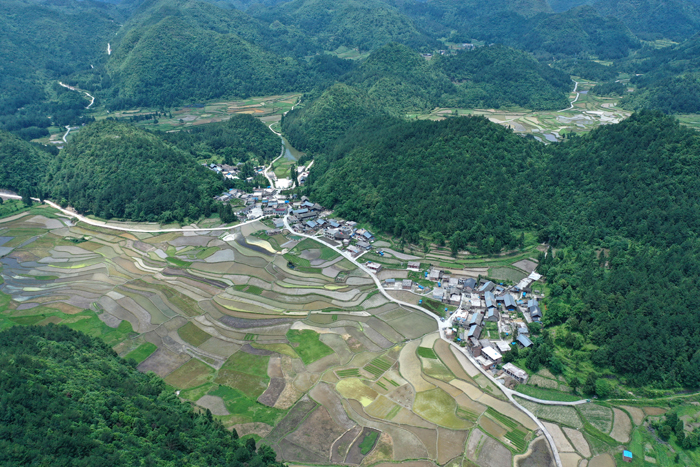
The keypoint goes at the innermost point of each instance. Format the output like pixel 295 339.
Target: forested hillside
pixel 113 169
pixel 328 117
pixel 361 24
pixel 49 41
pixel 463 175
pixel 239 139
pixel 499 76
pixel 655 19
pixel 22 165
pixel 635 303
pixel 68 399
pixel 668 78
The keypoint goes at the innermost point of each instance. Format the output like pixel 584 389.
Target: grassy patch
pixel 191 334
pixel 207 252
pixel 251 289
pixel 368 442
pixel 192 374
pixel 142 352
pixel 284 349
pixel 250 337
pixel 310 348
pixel 89 323
pixel 245 372
pixel 246 409
pixel 546 394
pixel 435 307
pixel 439 407
pixel 507 274
pixel 177 262
pixel 426 352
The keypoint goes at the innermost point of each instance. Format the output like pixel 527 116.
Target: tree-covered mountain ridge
pixel 68 399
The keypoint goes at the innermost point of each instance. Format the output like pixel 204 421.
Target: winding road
pixel 571 105
pixel 441 327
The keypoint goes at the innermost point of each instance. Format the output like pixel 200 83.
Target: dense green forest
pixel 666 78
pixel 500 76
pixel 461 176
pixel 238 139
pixel 364 25
pixel 113 169
pixel 68 399
pixel 22 165
pixel 395 79
pixel 655 19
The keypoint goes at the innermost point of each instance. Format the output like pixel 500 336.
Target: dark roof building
pixel 524 341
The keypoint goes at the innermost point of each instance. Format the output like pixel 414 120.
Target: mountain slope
pixel 655 19
pixel 22 165
pixel 666 79
pixel 68 399
pixel 359 24
pixel 499 76
pixel 113 169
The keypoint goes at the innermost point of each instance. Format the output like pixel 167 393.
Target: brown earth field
pixel 317 432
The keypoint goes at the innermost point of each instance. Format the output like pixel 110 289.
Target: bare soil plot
pixel 526 265
pixel 354 388
pixel 273 392
pixel 325 395
pixel 163 361
pixel 255 428
pixel 291 420
pixel 339 346
pixel 450 444
pixel 464 362
pixel 560 440
pixel 403 395
pixel 191 374
pixel 408 464
pixel 654 410
pixel 220 347
pixel 442 350
pixel 559 414
pixel 406 417
pixel 494 454
pixel 340 448
pixel 305 381
pixel 622 426
pixel 439 407
pixel 569 459
pixel 597 415
pixel 214 403
pixel 492 428
pixel 427 436
pixel 636 413
pixel 578 441
pixel 539 455
pixel 410 367
pixel 603 460
pixel 317 433
pixel 288 451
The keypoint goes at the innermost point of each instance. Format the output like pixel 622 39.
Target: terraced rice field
pixel 289 355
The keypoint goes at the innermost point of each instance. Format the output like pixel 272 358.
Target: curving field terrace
pixel 310 365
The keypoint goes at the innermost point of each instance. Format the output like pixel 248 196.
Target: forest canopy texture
pixel 68 399
pixel 114 169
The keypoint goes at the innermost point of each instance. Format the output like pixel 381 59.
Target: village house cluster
pixel 231 172
pixel 480 302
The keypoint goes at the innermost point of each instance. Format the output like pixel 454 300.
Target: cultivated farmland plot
pixel 323 372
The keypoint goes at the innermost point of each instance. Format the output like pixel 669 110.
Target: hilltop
pixel 113 169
